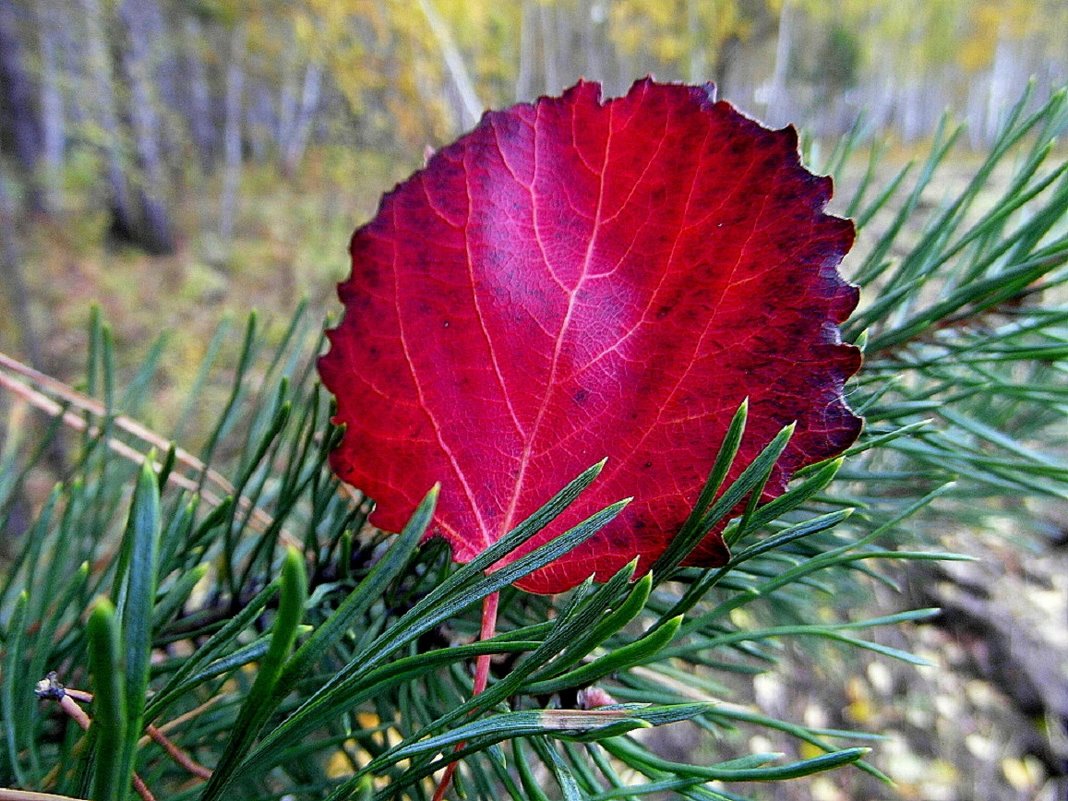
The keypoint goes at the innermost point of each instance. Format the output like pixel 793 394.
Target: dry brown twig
pixel 154 734
pixel 50 688
pixel 81 401
pixel 8 794
pixel 33 391
pixel 185 717
pixel 68 697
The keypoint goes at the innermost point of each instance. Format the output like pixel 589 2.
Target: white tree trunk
pixel 100 98
pixel 524 81
pixel 470 107
pixel 698 62
pixel 548 49
pixel 287 103
pixel 1001 90
pixel 300 130
pixel 779 111
pixel 198 92
pixel 260 120
pixel 235 87
pixel 17 84
pixel 11 278
pixel 53 119
pixel 138 61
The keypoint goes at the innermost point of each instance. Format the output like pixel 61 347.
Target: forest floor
pixel 956 731
pixel 979 723
pixel 290 244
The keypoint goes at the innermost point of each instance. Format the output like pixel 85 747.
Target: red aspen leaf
pixel 575 279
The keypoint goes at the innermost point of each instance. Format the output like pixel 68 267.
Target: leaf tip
pixel 102 611
pixel 293 559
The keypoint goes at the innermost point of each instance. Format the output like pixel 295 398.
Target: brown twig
pixel 38 399
pixel 78 715
pixel 7 794
pixel 81 401
pixel 176 753
pixel 50 688
pixel 54 409
pixel 141 788
pixel 75 712
pixel 68 696
pixel 192 713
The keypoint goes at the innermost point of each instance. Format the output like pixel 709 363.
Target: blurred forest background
pixel 181 161
pixel 242 141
